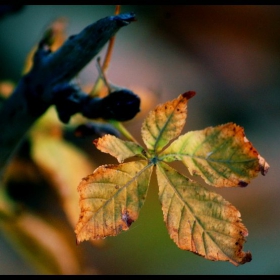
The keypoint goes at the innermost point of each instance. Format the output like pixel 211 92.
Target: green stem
pixel 118 125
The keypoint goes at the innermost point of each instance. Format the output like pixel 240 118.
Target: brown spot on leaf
pixel 242 184
pixel 85 179
pixel 127 219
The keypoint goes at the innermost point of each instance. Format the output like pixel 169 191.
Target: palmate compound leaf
pixel 197 220
pixel 200 221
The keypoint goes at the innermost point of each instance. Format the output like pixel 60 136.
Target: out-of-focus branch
pixel 37 90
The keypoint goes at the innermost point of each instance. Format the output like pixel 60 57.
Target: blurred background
pixel 229 55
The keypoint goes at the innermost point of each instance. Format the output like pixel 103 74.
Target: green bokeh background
pixel 230 55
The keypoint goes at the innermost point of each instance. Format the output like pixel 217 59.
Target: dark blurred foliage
pixel 6 10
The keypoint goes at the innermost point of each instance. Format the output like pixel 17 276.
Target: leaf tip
pixel 264 166
pixel 77 242
pixel 247 258
pixel 189 94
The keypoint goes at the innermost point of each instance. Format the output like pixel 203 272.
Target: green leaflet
pixel 221 155
pixel 118 148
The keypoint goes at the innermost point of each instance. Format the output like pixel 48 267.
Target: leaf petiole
pixel 118 125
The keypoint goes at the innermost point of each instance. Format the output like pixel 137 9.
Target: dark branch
pixel 36 91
